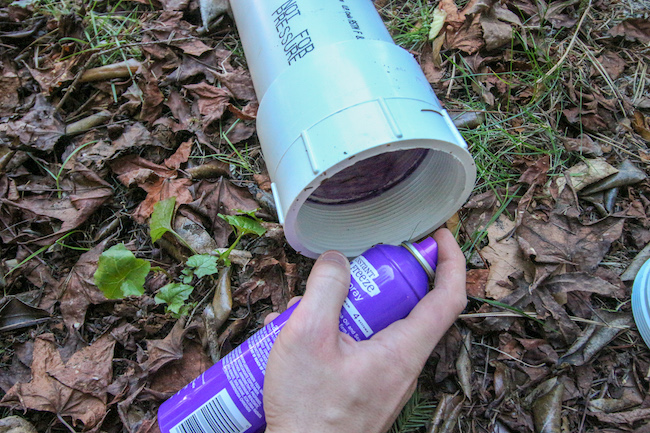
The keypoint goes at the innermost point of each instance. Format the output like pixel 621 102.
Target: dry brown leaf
pixel 90 369
pixel 633 29
pixel 39 129
pixel 477 281
pixel 162 190
pixel 559 329
pixel 563 240
pixel 262 279
pixel 583 282
pixel 249 112
pixel 613 64
pixel 213 198
pixel 629 417
pixel 504 257
pixel 162 352
pixel 537 12
pixel 583 144
pixel 9 84
pixel 445 417
pixel 591 116
pixel 170 26
pixel 538 351
pixel 469 38
pixel 239 82
pixel 212 101
pixel 433 73
pixel 46 393
pixel 585 173
pixel 86 192
pixel 547 410
pixel 98 154
pixel 52 73
pixel 594 338
pixel 536 171
pixel 239 131
pixel 16 314
pixel 181 155
pixel 181 111
pixel 194 234
pixel 152 97
pixel 641 125
pixel 629 398
pixel 174 375
pixel 77 291
pixel 497 25
pixel 453 16
pixel 159 182
pixel 208 63
pixel 464 366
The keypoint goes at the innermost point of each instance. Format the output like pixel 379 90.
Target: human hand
pixel 320 380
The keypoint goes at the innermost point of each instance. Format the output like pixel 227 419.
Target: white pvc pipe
pixel 357 146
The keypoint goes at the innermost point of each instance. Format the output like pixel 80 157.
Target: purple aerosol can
pixel 387 282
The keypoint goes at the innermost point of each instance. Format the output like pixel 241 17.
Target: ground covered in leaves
pixel 118 116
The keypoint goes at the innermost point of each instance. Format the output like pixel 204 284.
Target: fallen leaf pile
pixel 95 134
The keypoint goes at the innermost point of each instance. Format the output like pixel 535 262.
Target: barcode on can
pixel 217 415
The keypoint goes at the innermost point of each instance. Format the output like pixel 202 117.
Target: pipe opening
pixel 369 177
pixel 421 189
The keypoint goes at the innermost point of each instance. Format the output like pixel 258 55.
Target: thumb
pixel 327 286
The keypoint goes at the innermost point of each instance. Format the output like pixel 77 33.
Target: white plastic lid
pixel 641 301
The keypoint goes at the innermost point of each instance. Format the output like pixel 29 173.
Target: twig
pixel 94 56
pixel 65 423
pixel 534 315
pixel 87 123
pixel 476 343
pixel 619 147
pixel 123 69
pixel 70 90
pixel 569 48
pixel 604 74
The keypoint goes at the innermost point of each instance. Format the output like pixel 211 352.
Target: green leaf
pixel 203 264
pixel 244 224
pixel 120 274
pixel 174 295
pixel 161 218
pixel 249 213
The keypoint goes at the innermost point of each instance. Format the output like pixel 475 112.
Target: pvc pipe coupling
pixel 358 147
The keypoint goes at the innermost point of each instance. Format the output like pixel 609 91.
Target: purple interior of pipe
pixel 368 178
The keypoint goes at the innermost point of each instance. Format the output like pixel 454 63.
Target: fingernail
pixel 336 257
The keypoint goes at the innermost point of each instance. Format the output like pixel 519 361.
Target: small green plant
pixel 239 159
pixel 415 415
pixel 109 28
pixel 244 224
pixel 409 23
pixel 161 221
pixel 175 294
pixel 120 274
pixel 199 265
